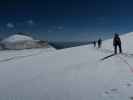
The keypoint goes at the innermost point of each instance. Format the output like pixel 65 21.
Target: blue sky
pixel 65 20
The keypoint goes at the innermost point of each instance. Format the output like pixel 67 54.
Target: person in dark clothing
pixel 117 43
pixel 94 42
pixel 99 42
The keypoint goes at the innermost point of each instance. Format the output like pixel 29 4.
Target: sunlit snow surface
pixel 71 74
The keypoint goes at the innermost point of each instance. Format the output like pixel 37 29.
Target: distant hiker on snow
pixel 117 43
pixel 99 42
pixel 94 42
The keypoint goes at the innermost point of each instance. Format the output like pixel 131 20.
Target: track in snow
pixel 115 92
pixel 19 57
pixel 120 56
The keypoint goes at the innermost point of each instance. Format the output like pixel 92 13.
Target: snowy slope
pixel 7 55
pixel 71 74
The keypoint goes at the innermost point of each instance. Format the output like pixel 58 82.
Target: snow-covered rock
pixel 17 38
pixel 20 41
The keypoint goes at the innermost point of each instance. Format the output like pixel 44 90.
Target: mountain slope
pixel 71 74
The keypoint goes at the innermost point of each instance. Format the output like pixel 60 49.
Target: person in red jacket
pixel 117 43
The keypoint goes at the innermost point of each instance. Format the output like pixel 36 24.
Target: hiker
pixel 94 42
pixel 99 42
pixel 117 43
